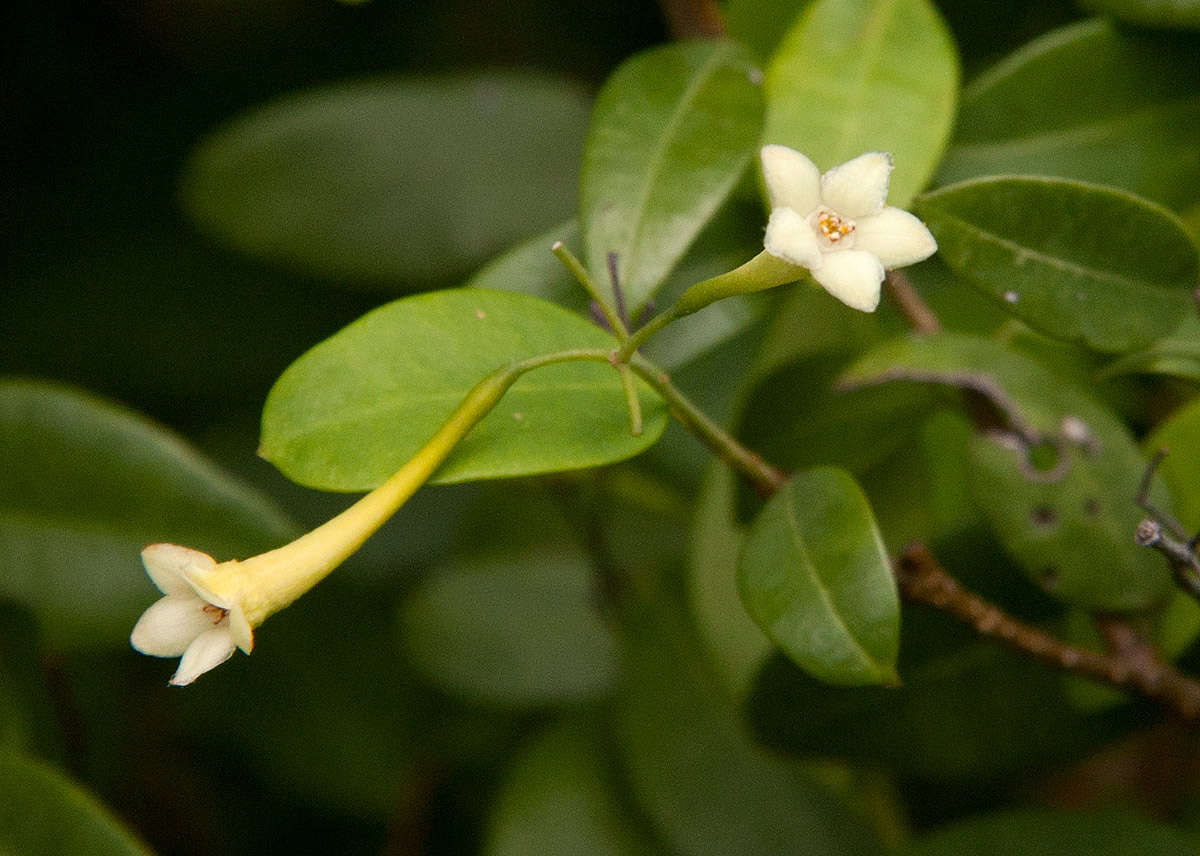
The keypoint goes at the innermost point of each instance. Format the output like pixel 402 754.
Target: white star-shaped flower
pixel 837 225
pixel 189 621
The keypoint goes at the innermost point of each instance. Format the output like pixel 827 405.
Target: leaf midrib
pixel 822 589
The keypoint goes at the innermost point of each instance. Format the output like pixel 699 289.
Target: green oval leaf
pixel 816 578
pixel 351 411
pixel 394 181
pixel 1068 524
pixel 559 800
pixel 861 75
pixel 1151 13
pixel 86 486
pixel 516 632
pixel 43 813
pixel 1177 355
pixel 1180 435
pixel 1041 832
pixel 1077 261
pixel 709 789
pixel 672 132
pixel 1091 102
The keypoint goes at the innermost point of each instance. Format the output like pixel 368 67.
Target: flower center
pixel 214 612
pixel 833 227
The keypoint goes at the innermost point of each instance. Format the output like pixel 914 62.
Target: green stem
pixel 571 263
pixel 629 384
pixel 766 478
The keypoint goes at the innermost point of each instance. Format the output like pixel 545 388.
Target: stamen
pixel 214 612
pixel 834 226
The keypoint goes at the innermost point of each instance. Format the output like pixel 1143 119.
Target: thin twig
pixel 693 19
pixel 920 317
pixel 1131 664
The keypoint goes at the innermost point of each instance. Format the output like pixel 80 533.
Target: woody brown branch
pixel 921 319
pixel 1131 664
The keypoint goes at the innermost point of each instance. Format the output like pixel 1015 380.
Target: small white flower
pixel 189 621
pixel 837 225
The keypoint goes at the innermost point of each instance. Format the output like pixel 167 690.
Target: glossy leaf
pixel 1151 13
pixel 1091 102
pixel 351 411
pixel 516 632
pixel 44 813
pixel 559 800
pixel 393 181
pixel 863 75
pixel 673 130
pixel 1069 523
pixel 1077 261
pixel 86 486
pixel 708 789
pixel 815 576
pixel 1042 832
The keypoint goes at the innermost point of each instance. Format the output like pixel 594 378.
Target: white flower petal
pixel 858 188
pixel 853 277
pixel 895 237
pixel 207 651
pixel 789 237
pixel 793 181
pixel 167 563
pixel 170 625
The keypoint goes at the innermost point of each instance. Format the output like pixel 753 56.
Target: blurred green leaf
pixel 861 75
pixel 968 711
pixel 521 631
pixel 558 800
pixel 1088 101
pixel 673 130
pixel 351 411
pixel 392 182
pixel 1077 261
pixel 1151 13
pixel 1180 469
pixel 1176 355
pixel 732 641
pixel 529 267
pixel 86 486
pixel 1042 832
pixel 815 577
pixel 43 813
pixel 709 790
pixel 1068 524
pixel 760 24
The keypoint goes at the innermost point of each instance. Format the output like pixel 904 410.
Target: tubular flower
pixel 837 225
pixel 209 609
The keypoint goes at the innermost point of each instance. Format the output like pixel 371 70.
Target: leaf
pixel 1042 832
pixel 1069 523
pixel 673 130
pixel 43 813
pixel 860 75
pixel 86 486
pixel 392 182
pixel 1092 102
pixel 733 643
pixel 707 788
pixel 558 800
pixel 1180 469
pixel 1151 13
pixel 815 577
pixel 1077 261
pixel 351 411
pixel 1176 355
pixel 520 632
